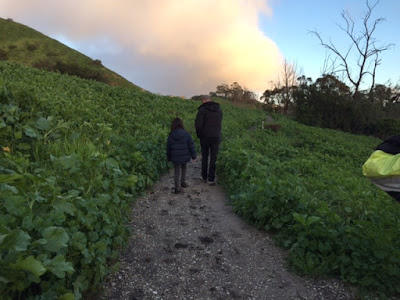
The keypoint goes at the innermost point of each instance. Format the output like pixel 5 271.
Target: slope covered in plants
pixel 306 185
pixel 74 154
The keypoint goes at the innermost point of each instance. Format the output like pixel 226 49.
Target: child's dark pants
pixel 180 175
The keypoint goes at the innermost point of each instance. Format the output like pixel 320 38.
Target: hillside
pixel 23 45
pixel 76 154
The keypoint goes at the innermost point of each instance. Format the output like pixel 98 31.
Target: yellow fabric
pixel 382 164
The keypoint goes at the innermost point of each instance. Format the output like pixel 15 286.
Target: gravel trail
pixel 193 246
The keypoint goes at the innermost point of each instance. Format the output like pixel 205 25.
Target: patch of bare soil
pixel 193 246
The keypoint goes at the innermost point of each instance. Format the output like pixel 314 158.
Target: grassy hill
pixel 23 45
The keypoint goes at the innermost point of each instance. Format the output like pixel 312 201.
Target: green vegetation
pixel 75 154
pixel 23 45
pixel 305 185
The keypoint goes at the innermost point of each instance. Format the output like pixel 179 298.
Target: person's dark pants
pixel 209 148
pixel 179 177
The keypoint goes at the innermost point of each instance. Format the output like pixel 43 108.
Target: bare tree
pixel 289 77
pixel 281 93
pixel 362 45
pixel 249 97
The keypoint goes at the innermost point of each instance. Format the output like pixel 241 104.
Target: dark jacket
pixel 208 121
pixel 180 147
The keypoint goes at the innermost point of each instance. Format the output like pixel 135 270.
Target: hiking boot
pixel 184 184
pixel 211 182
pixel 177 191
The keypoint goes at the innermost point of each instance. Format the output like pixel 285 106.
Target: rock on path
pixel 193 246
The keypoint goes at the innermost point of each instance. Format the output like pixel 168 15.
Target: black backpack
pixel 391 145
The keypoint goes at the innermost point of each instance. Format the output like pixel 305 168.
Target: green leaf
pixel 18 135
pixel 67 296
pixel 31 265
pixel 347 209
pixel 27 222
pixel 39 242
pixel 17 240
pixel 10 188
pixel 64 125
pixel 43 124
pixel 131 180
pixel 81 283
pixel 29 131
pixel 353 279
pixel 70 163
pixel 7 178
pixel 64 206
pixel 51 180
pixel 78 240
pixel 299 218
pixel 15 205
pixel 312 220
pixel 57 216
pixel 56 237
pixel 58 266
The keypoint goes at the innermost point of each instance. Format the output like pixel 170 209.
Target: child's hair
pixel 176 123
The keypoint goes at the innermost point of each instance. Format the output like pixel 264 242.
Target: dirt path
pixel 193 246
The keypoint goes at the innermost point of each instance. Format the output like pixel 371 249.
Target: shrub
pixel 387 127
pixel 3 55
pixel 97 62
pixel 31 47
pixel 51 54
pixel 77 70
pixel 44 65
pixel 273 127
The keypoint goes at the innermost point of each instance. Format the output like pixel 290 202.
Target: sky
pixel 188 47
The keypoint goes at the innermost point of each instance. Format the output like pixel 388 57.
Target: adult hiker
pixel 383 166
pixel 208 125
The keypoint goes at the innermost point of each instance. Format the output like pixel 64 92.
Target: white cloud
pixel 170 46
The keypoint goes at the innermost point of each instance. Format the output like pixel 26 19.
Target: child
pixel 180 148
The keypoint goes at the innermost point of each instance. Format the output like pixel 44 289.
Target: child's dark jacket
pixel 180 147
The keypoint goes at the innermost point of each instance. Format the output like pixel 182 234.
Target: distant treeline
pixel 327 103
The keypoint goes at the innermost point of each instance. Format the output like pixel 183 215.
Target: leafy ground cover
pixel 74 155
pixel 305 184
